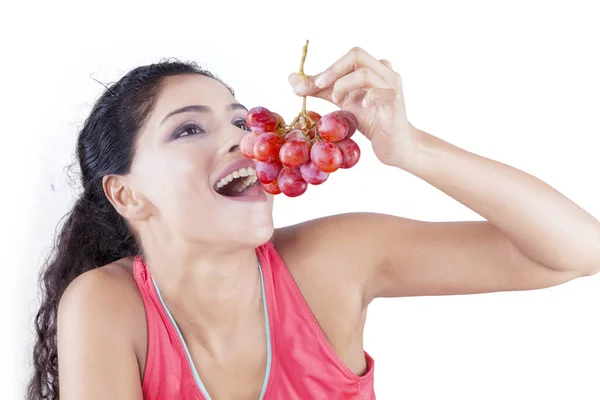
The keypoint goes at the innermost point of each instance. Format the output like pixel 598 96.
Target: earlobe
pixel 123 198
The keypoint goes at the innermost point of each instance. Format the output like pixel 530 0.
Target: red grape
pixel 326 156
pixel 312 174
pixel 294 152
pixel 261 120
pixel 266 147
pixel 295 134
pixel 291 182
pixel 281 127
pixel 352 122
pixel 280 120
pixel 272 188
pixel 333 127
pixel 247 144
pixel 316 117
pixel 350 152
pixel 267 172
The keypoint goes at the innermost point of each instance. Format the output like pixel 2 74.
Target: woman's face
pixel 186 150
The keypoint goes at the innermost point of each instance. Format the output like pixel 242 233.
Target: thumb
pixel 307 87
pixel 302 87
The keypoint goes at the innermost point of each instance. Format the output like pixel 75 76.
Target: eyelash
pixel 187 127
pixel 240 123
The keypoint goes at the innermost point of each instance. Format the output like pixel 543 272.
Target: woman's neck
pixel 215 292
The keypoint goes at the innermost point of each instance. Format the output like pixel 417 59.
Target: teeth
pixel 247 182
pixel 249 172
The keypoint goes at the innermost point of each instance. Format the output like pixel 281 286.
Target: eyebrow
pixel 201 108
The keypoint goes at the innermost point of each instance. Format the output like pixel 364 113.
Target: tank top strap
pixel 295 326
pixel 167 373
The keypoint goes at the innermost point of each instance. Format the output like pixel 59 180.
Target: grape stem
pixel 302 74
pixel 303 116
pixel 301 71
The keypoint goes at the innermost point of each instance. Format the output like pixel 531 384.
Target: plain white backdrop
pixel 515 81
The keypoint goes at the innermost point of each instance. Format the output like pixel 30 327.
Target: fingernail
pixel 335 97
pixel 299 89
pixel 294 79
pixel 320 82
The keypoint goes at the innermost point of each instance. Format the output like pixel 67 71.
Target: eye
pixel 241 123
pixel 189 130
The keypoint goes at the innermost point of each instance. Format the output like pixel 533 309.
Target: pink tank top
pixel 300 362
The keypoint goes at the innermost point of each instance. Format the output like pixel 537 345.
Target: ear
pixel 124 199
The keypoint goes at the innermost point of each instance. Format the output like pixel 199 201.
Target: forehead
pixel 183 90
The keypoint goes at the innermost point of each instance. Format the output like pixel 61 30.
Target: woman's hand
pixel 372 91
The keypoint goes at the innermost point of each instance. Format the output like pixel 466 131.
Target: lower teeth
pixel 247 183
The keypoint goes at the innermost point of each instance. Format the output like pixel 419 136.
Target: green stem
pixel 302 74
pixel 304 51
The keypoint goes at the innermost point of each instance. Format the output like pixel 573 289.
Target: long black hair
pixel 93 234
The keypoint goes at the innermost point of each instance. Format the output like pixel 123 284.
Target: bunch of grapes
pixel 289 157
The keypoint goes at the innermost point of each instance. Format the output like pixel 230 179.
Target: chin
pixel 260 233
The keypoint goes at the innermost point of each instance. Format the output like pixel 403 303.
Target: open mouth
pixel 238 183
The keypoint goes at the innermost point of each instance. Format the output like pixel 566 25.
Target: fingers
pixel 361 78
pixel 301 86
pixel 380 97
pixel 355 59
pixel 306 87
pixel 386 63
pixel 355 70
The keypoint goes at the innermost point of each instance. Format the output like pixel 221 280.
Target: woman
pixel 163 287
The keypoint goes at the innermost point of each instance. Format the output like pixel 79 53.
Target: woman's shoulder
pixel 110 285
pixel 106 300
pixel 341 242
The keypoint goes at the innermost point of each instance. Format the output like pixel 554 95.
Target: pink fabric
pixel 304 365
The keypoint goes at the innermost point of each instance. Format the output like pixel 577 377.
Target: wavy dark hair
pixel 93 234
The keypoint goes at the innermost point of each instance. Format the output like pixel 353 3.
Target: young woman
pixel 164 287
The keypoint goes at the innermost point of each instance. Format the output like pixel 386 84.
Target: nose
pixel 232 138
pixel 230 145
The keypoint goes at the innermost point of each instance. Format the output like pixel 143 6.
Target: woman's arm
pixel 96 351
pixel 538 221
pixel 534 237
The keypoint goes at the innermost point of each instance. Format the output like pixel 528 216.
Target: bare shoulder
pixel 343 245
pixel 331 231
pixel 107 296
pixel 108 292
pixel 101 329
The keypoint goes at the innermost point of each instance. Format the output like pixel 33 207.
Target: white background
pixel 514 81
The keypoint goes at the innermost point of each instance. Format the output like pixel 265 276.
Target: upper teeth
pixel 242 172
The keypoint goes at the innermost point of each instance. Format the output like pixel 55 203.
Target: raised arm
pixel 534 236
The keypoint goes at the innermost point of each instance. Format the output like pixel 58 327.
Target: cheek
pixel 177 179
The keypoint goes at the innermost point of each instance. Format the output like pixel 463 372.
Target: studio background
pixel 517 82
